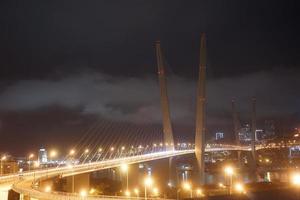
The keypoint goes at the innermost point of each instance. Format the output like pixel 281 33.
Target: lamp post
pixel 36 165
pixel 188 187
pixel 155 192
pixel 29 159
pixel 295 180
pixel 239 187
pixel 83 194
pixel 229 172
pixel 147 182
pixel 136 192
pixel 3 158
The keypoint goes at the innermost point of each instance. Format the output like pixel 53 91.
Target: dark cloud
pixel 137 99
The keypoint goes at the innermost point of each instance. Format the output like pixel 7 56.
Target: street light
pixel 83 193
pixel 229 171
pixel 72 152
pixel 136 192
pixel 29 158
pixel 147 182
pixel 155 192
pixel 127 193
pixel 239 187
pixel 36 164
pixel 3 158
pixel 188 187
pixel 48 189
pixel 52 155
pixel 295 179
pixel 124 169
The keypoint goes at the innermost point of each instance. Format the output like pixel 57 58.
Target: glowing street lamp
pixel 127 193
pixel 83 193
pixel 72 152
pixel 136 192
pixel 48 189
pixel 188 187
pixel 155 192
pixel 147 182
pixel 229 171
pixel 92 191
pixel 53 154
pixel 295 179
pixel 221 185
pixel 239 187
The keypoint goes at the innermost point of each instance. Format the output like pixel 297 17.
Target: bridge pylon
pixel 236 129
pixel 253 133
pixel 200 111
pixel 167 126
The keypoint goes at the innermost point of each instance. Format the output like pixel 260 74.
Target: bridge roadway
pixel 22 183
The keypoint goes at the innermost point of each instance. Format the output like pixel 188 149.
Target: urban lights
pixel 229 171
pixel 127 193
pixel 147 182
pixel 72 152
pixel 188 187
pixel 155 191
pixel 83 193
pixel 47 188
pixel 136 192
pixel 295 179
pixel 3 158
pixel 239 187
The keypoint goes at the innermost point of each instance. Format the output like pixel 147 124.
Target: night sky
pixel 67 64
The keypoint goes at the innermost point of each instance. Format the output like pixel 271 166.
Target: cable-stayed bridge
pixel 23 183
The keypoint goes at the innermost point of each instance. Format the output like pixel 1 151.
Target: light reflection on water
pixel 215 178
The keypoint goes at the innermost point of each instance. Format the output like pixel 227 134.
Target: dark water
pixel 245 177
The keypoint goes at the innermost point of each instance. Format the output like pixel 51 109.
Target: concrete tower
pixel 167 127
pixel 253 130
pixel 236 129
pixel 200 111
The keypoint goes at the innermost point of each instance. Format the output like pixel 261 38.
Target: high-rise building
pixel 219 135
pixel 269 129
pixel 245 133
pixel 43 158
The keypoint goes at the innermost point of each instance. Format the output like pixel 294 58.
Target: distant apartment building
pixel 43 158
pixel 245 133
pixel 219 135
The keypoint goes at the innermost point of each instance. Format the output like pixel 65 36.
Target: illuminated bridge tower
pixel 167 126
pixel 236 129
pixel 253 131
pixel 200 111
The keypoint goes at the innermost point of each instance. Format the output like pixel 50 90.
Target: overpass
pixel 23 183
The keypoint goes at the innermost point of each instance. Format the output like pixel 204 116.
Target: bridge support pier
pixel 24 197
pixel 3 194
pixel 78 182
